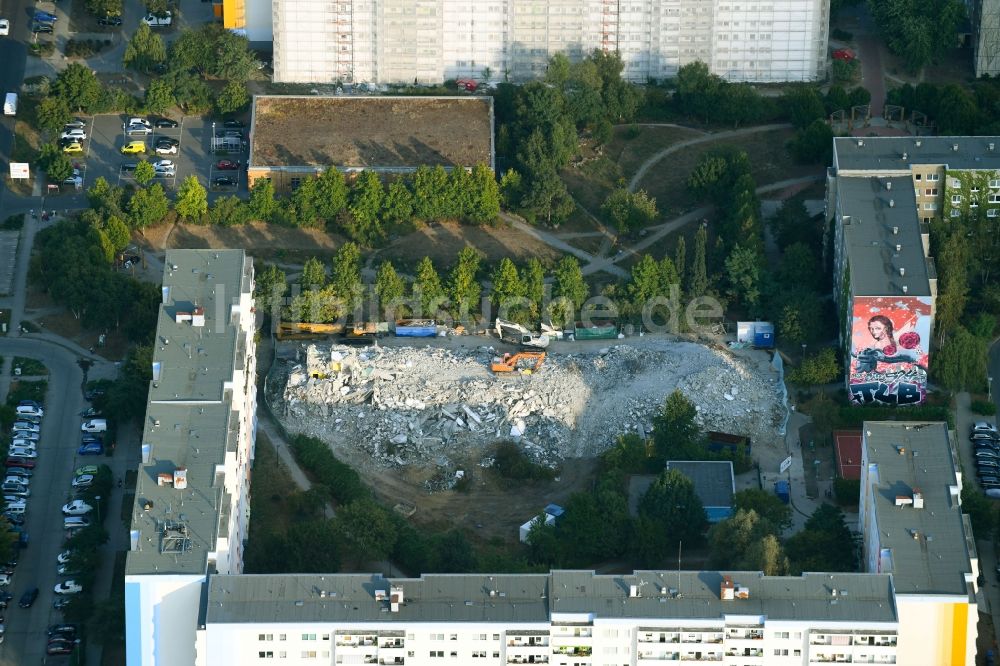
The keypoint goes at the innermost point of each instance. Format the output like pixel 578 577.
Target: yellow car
pixel 73 148
pixel 134 147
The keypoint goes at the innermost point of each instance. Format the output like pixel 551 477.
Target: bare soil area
pixel 267 241
pixel 372 131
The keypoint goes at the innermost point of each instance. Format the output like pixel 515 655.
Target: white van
pixel 10 104
pixel 75 522
pixel 16 508
pixel 95 425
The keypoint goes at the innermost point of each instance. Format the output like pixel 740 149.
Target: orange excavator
pixel 509 362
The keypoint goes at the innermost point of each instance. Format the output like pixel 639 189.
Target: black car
pixel 14 519
pixel 224 181
pixel 62 629
pixel 233 124
pixel 60 648
pixel 166 142
pixel 129 167
pixel 28 598
pixel 41 27
pixel 165 122
pixel 110 20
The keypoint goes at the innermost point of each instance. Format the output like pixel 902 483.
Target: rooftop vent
pixel 991 146
pixel 727 590
pixel 905 289
pixel 899 248
pixel 919 143
pixel 888 185
pixel 902 271
pixel 180 478
pixel 918 499
pixel 861 143
pixel 904 500
pixel 900 449
pixel 198 317
pixel 892 203
pixel 633 591
pixel 895 231
pixel 742 592
pixel 166 294
pixel 165 479
pixel 905 156
pixel 915 534
pixel 954 147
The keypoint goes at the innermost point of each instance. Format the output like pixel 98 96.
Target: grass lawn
pixel 30 367
pixel 24 390
pixel 270 510
pixel 667 181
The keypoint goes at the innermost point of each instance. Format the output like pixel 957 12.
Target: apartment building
pixel 429 41
pixel 985 15
pixel 192 495
pixel 913 527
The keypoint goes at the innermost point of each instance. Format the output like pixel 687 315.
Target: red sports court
pixel 847 444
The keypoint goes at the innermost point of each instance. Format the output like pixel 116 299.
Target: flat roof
pixel 877 215
pixel 189 412
pixel 361 132
pixel 885 153
pixel 533 598
pixel 929 554
pixel 712 479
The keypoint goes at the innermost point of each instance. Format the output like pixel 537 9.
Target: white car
pixel 17 479
pixel 4 27
pixel 139 121
pixel 22 452
pixel 77 508
pixel 5 579
pixel 166 150
pixel 31 410
pixel 154 21
pixel 83 481
pixel 24 426
pixel 25 442
pixel 75 133
pixel 164 165
pixel 67 587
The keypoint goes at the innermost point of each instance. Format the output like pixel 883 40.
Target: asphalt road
pixel 50 489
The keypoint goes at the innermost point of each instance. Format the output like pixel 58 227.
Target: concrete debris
pixel 399 406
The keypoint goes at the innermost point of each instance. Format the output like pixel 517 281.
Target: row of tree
pixel 953 109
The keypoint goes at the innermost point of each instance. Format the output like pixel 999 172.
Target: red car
pixel 26 463
pixel 227 165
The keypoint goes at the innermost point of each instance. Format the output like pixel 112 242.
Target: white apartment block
pixel 428 41
pixel 192 497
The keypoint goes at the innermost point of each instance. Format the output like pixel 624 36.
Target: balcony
pixel 528 641
pixel 745 634
pixel 831 659
pixel 389 643
pixel 884 659
pixel 659 638
pixel 574 650
pixel 702 638
pixel 659 656
pixel 528 659
pixel 746 652
pixel 391 661
pixel 702 657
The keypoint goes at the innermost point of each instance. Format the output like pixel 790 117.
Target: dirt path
pixel 652 161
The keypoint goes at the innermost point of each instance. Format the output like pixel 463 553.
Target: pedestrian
pixel 119 482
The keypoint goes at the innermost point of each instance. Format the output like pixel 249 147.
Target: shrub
pixel 847 491
pixel 841 35
pixel 983 407
pixel 13 223
pixel 511 463
pixel 315 456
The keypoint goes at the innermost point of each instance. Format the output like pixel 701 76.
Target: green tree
pixel 144 49
pixel 954 259
pixel 799 316
pixel 365 205
pixel 345 274
pixel 314 306
pixel 430 188
pixel 144 173
pixel 980 510
pixel 803 105
pixel 463 286
pixel 534 282
pixel 105 198
pixel 669 275
pixel 569 290
pixel 816 370
pixel 675 430
pixel 389 287
pixel 646 281
pixel 427 288
pixel 485 205
pixel 507 284
pixel 918 32
pixel 697 281
pixel 104 7
pixel 960 364
pixel 397 206
pixel 672 506
pixel 766 505
pixel 680 260
pixel 229 211
pixel 59 168
pixel 743 272
pixel 270 288
pixel 233 97
pixel 367 530
pixel 263 205
pixel 557 71
pixel 148 206
pixel 814 144
pixel 159 95
pixel 331 193
pixel 303 206
pixel 232 59
pixel 798 266
pixel 78 87
pixel 737 543
pixel 117 232
pixel 313 274
pixel 192 199
pixel 826 543
pixel 629 211
pixel 52 114
pixel 192 50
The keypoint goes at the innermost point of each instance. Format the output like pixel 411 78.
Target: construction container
pixel 783 491
pixel 416 328
pixel 596 331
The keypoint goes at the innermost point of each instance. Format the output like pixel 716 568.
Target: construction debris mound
pixel 399 406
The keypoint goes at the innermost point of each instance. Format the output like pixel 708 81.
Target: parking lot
pixel 195 154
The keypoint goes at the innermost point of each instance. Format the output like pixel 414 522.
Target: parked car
pixel 227 165
pixel 134 148
pixel 83 481
pixel 5 579
pixel 65 628
pixel 24 426
pixel 983 426
pixel 85 469
pixel 61 647
pixel 76 123
pixel 64 556
pixel 30 409
pixel 26 442
pixel 77 134
pixel 163 148
pixel 21 452
pixel 60 603
pixel 165 123
pixel 28 598
pixel 4 27
pixel 68 587
pixel 19 461
pixel 71 148
pixel 110 20
pixel 76 508
pixel 224 181
pixel 90 449
pixel 987 455
pixel 44 16
pixel 15 489
pixel 94 425
pixel 41 28
pixel 13 478
pixel 164 165
pixel 14 519
pixel 158 21
pixel 22 473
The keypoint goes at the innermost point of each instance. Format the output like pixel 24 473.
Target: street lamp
pixel 989 388
pixel 803 351
pixel 97 500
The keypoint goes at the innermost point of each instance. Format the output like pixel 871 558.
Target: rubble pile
pixel 404 405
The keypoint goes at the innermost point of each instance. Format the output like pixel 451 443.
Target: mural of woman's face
pixel 877 329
